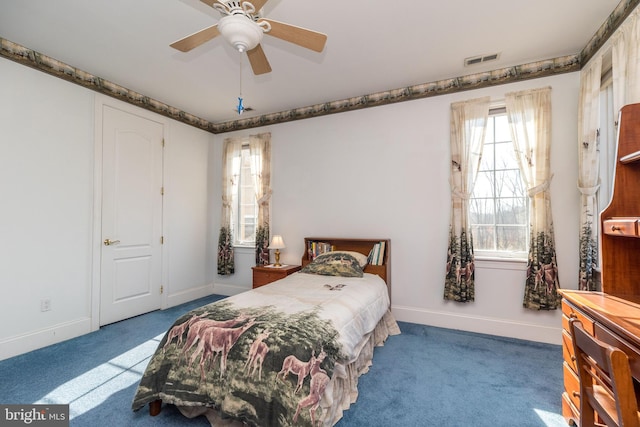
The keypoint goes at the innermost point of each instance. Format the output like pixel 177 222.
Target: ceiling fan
pixel 243 27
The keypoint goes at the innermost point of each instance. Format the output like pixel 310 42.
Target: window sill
pixel 496 263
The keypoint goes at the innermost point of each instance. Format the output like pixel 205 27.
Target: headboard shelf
pixel 362 246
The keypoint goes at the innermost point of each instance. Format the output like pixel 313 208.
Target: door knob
pixel 108 242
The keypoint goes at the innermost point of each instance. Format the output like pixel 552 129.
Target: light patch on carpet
pixel 550 419
pixel 87 391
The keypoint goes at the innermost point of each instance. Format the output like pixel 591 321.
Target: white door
pixel 131 257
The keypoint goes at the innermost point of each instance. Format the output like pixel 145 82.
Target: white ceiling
pixel 372 46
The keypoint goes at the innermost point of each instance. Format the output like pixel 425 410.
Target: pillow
pixel 334 264
pixel 361 258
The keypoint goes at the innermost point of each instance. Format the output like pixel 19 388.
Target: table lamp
pixel 277 243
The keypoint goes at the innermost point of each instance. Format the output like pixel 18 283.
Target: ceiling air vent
pixel 474 60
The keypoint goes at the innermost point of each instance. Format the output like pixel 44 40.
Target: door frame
pixel 96 245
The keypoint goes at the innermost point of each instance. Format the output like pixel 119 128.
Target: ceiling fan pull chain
pixel 240 107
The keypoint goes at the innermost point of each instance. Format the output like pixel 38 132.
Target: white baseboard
pixel 20 344
pixel 228 290
pixel 14 346
pixel 189 295
pixel 482 325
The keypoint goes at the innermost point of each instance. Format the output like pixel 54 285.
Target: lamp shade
pixel 277 242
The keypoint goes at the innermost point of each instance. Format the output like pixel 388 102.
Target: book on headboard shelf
pixel 376 256
pixel 318 248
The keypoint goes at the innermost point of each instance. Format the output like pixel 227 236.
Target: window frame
pixel 608 149
pixel 500 255
pixel 607 144
pixel 237 213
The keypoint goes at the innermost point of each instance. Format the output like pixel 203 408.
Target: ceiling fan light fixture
pixel 241 32
pixel 243 27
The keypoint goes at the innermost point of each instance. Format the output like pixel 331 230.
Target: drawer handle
pixel 573 316
pixel 615 228
pixel 573 358
pixel 576 394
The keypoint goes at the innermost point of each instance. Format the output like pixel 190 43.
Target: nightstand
pixel 263 274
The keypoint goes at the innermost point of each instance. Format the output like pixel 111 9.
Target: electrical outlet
pixel 45 304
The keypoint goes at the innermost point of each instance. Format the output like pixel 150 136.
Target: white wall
pixel 186 211
pixel 383 172
pixel 379 172
pixel 46 214
pixel 46 184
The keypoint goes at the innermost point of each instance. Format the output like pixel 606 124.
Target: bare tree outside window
pixel 498 206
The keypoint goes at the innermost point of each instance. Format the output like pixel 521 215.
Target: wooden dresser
pixel 613 315
pixel 611 319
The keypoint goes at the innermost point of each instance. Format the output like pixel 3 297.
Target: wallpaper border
pixel 533 70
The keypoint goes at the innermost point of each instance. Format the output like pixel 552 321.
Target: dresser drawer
pixel 262 278
pixel 571 385
pixel 263 275
pixel 269 277
pixel 569 311
pixel 621 227
pixel 568 352
pixel 569 411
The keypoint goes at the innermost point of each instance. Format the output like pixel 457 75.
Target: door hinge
pixel 162 142
pixel 162 240
pixel 162 191
pixel 161 289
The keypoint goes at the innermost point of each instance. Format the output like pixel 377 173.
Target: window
pixel 608 141
pixel 244 206
pixel 499 204
pixel 246 190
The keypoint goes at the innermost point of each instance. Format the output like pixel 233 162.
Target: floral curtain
pixel 589 171
pixel 529 114
pixel 260 148
pixel 230 151
pixel 468 125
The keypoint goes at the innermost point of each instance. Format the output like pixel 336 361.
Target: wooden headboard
pixel 363 246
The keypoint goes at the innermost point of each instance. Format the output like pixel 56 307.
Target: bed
pixel 287 353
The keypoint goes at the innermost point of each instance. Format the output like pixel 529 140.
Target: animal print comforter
pixel 266 357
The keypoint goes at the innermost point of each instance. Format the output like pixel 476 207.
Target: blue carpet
pixel 426 376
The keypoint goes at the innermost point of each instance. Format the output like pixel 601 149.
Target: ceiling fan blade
pixel 257 4
pixel 196 39
pixel 258 61
pixel 297 35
